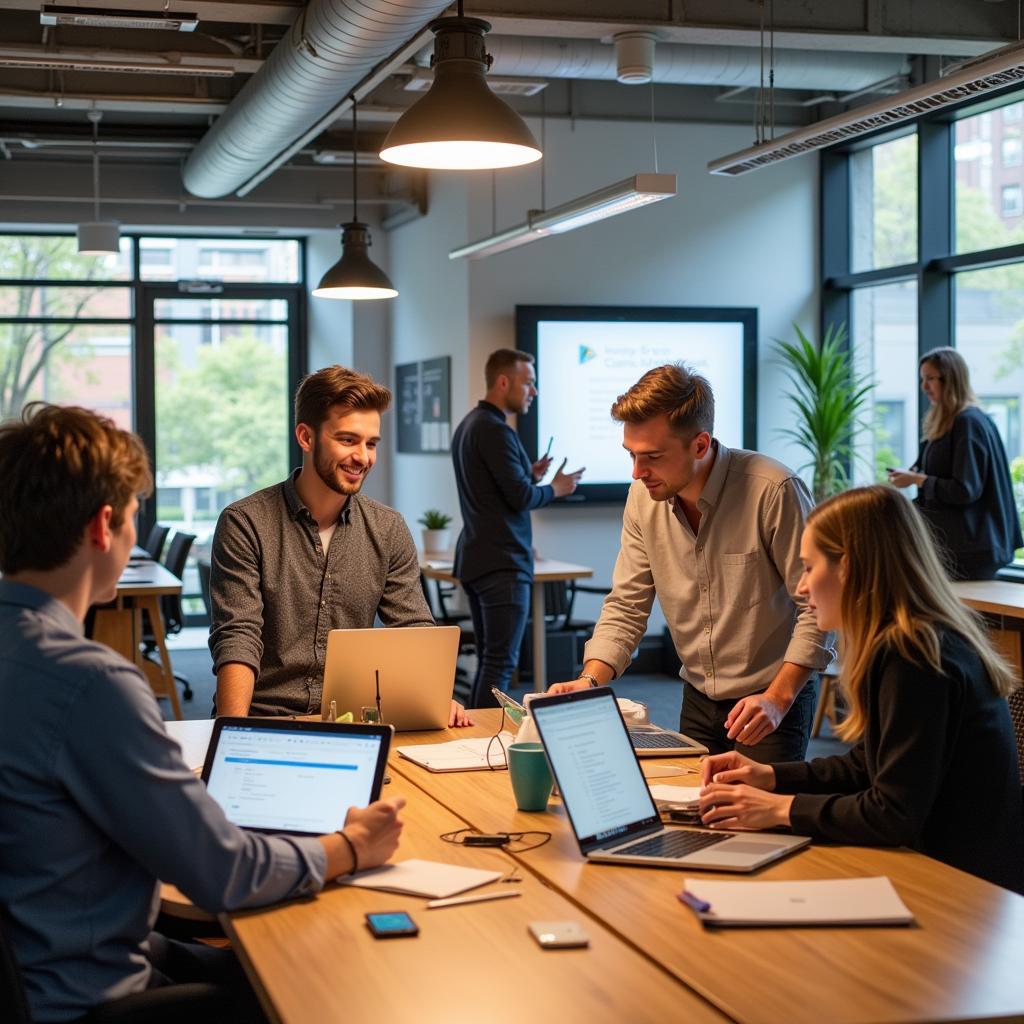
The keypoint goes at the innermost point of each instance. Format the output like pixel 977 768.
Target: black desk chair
pixel 444 616
pixel 566 635
pixel 156 540
pixel 170 605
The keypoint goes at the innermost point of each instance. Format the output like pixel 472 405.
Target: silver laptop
pixel 284 775
pixel 609 805
pixel 648 740
pixel 410 669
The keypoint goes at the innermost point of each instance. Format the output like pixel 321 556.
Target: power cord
pixel 470 837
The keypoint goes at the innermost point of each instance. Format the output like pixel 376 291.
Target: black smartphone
pixel 392 924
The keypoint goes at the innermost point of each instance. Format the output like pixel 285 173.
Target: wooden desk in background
pixel 120 626
pixel 1002 603
pixel 314 962
pixel 960 961
pixel 545 570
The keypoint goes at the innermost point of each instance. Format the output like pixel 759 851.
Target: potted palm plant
pixel 436 535
pixel 828 397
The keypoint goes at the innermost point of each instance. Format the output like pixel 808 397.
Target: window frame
pixel 937 259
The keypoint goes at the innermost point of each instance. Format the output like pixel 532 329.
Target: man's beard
pixel 327 471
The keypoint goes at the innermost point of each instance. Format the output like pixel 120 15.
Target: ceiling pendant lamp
pixel 98 237
pixel 355 275
pixel 460 124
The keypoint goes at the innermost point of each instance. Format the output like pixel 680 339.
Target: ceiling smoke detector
pixel 106 17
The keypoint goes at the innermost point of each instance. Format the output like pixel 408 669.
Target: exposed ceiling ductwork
pixel 681 64
pixel 329 50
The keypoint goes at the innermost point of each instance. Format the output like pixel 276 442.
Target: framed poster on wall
pixel 423 395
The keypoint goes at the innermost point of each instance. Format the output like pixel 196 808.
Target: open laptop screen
pixel 591 755
pixel 289 776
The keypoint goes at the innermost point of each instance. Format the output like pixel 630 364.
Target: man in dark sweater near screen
pixel 498 486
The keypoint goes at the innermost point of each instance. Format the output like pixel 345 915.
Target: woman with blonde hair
pixel 934 762
pixel 964 487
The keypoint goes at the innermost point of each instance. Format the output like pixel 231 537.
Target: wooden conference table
pixel 649 956
pixel 139 589
pixel 545 570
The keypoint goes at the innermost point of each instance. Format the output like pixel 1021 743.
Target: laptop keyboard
pixel 654 740
pixel 675 844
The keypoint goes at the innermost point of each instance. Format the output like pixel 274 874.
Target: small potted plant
pixel 436 535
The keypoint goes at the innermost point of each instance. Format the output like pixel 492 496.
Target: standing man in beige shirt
pixel 715 535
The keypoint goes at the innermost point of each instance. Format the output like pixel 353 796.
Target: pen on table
pixel 455 901
pixel 693 902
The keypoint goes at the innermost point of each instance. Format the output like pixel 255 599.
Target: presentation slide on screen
pixel 583 366
pixel 295 782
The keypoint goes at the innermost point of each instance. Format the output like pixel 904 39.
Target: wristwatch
pixel 593 680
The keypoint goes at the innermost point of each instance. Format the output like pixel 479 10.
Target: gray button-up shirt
pixel 96 804
pixel 276 593
pixel 729 591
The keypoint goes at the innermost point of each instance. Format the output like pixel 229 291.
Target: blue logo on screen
pixel 586 354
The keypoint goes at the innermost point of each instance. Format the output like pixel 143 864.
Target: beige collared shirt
pixel 729 591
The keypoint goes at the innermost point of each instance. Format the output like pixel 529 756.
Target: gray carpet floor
pixel 661 693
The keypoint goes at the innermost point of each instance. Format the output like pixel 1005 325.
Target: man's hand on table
pixel 459 716
pixel 571 687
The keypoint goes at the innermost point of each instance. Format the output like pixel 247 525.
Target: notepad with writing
pixel 421 878
pixel 830 901
pixel 460 755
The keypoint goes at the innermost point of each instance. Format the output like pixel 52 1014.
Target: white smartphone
pixel 559 934
pixel 512 707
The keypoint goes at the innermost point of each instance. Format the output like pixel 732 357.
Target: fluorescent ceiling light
pixel 135 67
pixel 623 196
pixel 103 17
pixel 995 70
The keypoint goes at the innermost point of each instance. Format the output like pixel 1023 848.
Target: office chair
pixel 156 540
pixel 566 635
pixel 443 616
pixel 170 605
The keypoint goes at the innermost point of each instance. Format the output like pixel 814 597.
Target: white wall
pixel 749 241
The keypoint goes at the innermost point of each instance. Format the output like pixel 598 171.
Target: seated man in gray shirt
pixel 296 560
pixel 715 535
pixel 96 803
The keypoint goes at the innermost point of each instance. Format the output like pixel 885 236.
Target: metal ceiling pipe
pixel 330 48
pixel 688 64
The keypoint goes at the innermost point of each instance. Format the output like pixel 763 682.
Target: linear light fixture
pixel 629 194
pixel 103 17
pixel 991 71
pixel 137 67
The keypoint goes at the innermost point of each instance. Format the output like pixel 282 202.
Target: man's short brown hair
pixel 337 385
pixel 672 390
pixel 59 466
pixel 503 361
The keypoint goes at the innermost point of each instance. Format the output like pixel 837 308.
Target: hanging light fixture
pixel 98 237
pixel 355 275
pixel 460 124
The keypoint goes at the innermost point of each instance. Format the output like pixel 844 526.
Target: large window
pixel 923 246
pixel 193 342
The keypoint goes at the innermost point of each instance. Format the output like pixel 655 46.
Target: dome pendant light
pixel 355 275
pixel 460 124
pixel 98 237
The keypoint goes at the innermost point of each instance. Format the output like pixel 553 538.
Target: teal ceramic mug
pixel 531 777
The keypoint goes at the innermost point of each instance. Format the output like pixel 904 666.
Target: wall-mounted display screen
pixel 586 356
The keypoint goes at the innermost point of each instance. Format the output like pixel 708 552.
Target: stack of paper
pixel 461 755
pixel 674 798
pixel 421 878
pixel 837 901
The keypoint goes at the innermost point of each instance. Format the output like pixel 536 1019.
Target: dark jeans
pixel 190 982
pixel 499 604
pixel 703 719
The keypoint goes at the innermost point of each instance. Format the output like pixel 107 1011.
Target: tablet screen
pixel 285 780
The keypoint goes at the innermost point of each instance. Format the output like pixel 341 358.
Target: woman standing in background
pixel 964 487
